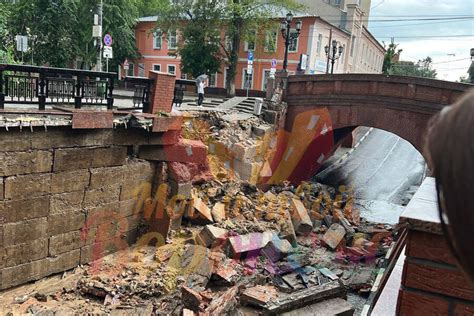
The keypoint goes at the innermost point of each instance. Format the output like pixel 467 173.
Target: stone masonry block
pixel 15 141
pixel 64 242
pixel 21 232
pixel 63 262
pixel 18 254
pixel 19 210
pixel 101 177
pixel 16 163
pixel 184 151
pixel 136 189
pixel 101 196
pixel 63 223
pixel 108 157
pixel 72 159
pixel 100 249
pixel 1 189
pixel 23 273
pixel 101 214
pixel 65 138
pixel 27 186
pixel 138 169
pixel 69 181
pixel 66 202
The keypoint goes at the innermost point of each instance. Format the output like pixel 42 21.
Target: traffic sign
pixel 249 69
pixel 108 40
pixel 250 57
pixel 274 63
pixel 21 43
pixel 108 52
pixel 126 64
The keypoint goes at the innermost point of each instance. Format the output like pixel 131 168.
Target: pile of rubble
pixel 239 250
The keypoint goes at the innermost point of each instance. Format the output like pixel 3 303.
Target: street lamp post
pixel 335 54
pixel 288 35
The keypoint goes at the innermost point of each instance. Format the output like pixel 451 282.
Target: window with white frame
pixel 172 69
pixel 157 39
pixel 184 76
pixel 141 70
pixel 213 80
pixel 250 43
pixel 172 40
pixel 293 47
pixel 271 40
pixel 131 70
pixel 319 44
pixel 157 67
pixel 247 80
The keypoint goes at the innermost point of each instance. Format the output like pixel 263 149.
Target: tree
pixel 391 57
pixel 149 7
pixel 6 46
pixel 237 19
pixel 422 68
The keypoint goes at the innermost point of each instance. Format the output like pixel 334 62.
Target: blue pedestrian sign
pixel 274 63
pixel 250 56
pixel 108 40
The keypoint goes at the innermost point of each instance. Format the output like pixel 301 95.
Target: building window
pixel 266 75
pixel 157 67
pixel 141 70
pixel 293 48
pixel 172 69
pixel 320 43
pixel 271 40
pixel 343 53
pixel 353 41
pixel 250 44
pixel 172 40
pixel 131 70
pixel 247 80
pixel 157 39
pixel 213 80
pixel 184 76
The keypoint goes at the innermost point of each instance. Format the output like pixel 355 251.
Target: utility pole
pixel 327 61
pixel 99 40
pixel 97 34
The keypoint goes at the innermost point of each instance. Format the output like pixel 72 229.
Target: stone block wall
pixel 67 197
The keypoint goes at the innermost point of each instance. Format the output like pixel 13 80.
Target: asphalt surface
pixel 384 171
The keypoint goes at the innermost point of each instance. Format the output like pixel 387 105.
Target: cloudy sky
pixel 441 39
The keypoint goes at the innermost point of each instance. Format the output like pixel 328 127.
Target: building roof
pixel 373 38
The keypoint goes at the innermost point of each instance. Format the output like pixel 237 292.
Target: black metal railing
pixel 141 92
pixel 179 87
pixel 22 84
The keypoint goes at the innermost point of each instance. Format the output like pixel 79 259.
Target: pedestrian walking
pixel 201 86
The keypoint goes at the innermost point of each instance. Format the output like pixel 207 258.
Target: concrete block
pixel 299 216
pixel 25 252
pixel 277 249
pixel 63 223
pixel 25 162
pixel 27 186
pixel 211 236
pixel 22 232
pixel 20 210
pixel 66 202
pixel 334 235
pixel 101 177
pixel 62 243
pixel 68 181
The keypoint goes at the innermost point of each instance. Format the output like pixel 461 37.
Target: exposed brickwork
pixel 415 302
pixel 162 92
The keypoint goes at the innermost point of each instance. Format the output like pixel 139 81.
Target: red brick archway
pixel 401 105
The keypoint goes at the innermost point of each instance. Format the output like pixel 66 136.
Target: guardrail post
pixel 78 93
pixel 2 94
pixel 110 98
pixel 42 93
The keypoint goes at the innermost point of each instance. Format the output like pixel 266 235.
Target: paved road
pixel 384 171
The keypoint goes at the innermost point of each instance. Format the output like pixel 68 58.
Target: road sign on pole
pixel 108 52
pixel 274 63
pixel 126 64
pixel 250 57
pixel 108 40
pixel 21 43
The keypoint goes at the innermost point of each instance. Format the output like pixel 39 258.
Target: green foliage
pixel 422 68
pixel 390 57
pixel 149 7
pixel 6 46
pixel 236 19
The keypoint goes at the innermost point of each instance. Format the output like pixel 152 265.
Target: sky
pixel 449 51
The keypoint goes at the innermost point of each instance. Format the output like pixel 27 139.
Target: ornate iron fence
pixel 20 84
pixel 141 92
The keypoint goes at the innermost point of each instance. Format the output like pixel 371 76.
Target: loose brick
pixel 63 223
pixel 218 212
pixel 435 278
pixel 25 252
pixel 20 210
pixel 23 273
pixel 69 181
pixel 16 163
pixel 181 189
pixel 108 157
pixel 63 262
pixel 101 196
pixel 184 151
pixel 64 242
pixel 249 245
pixel 27 186
pixel 299 216
pixel 66 202
pixel 101 177
pixel 334 235
pixel 73 159
pixel 26 231
pixel 411 303
pixel 247 171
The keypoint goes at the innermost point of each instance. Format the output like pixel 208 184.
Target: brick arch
pixel 400 105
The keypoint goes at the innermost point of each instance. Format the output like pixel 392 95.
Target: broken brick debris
pixel 301 221
pixel 277 249
pixel 211 236
pixel 334 235
pixel 249 245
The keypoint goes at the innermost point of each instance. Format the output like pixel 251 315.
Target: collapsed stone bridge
pixel 323 109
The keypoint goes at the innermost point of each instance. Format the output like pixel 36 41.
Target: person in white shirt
pixel 201 85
